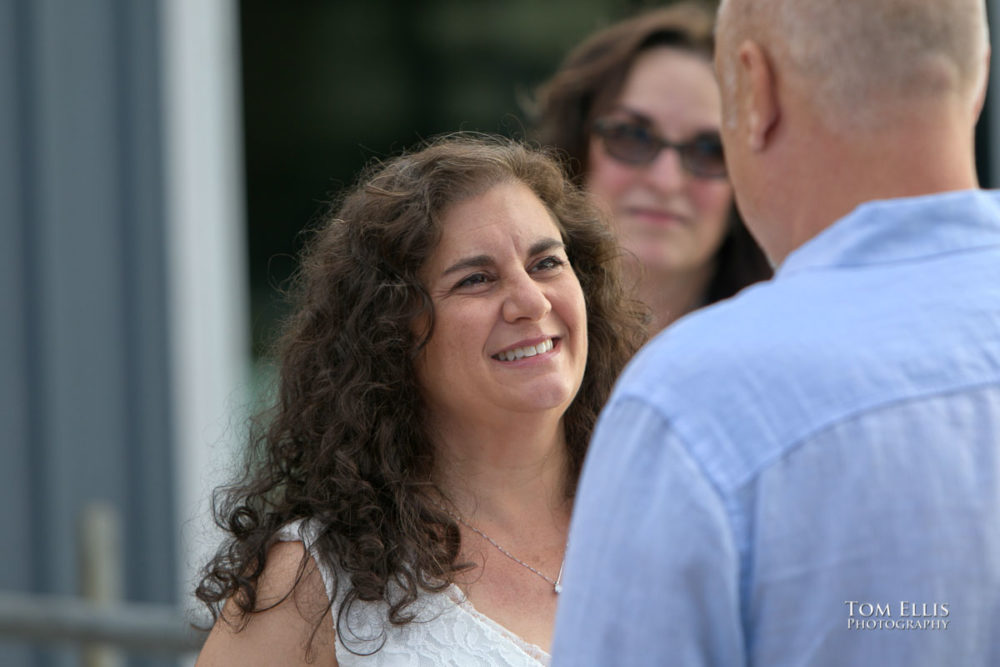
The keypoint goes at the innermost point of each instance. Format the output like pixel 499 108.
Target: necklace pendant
pixel 557 588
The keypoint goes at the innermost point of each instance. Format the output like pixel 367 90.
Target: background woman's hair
pixel 590 80
pixel 345 445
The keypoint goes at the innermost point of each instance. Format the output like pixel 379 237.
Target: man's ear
pixel 762 99
pixel 981 99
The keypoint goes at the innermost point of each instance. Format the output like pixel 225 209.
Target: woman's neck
pixel 504 472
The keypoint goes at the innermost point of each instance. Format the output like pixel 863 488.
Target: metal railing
pixel 132 627
pixel 98 621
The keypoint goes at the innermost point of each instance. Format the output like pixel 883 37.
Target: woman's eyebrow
pixel 479 261
pixel 545 244
pixel 476 262
pixel 637 116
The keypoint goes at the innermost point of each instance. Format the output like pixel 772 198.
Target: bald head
pixel 831 103
pixel 855 57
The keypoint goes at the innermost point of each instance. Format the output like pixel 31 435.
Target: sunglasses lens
pixel 630 143
pixel 704 156
pixel 636 144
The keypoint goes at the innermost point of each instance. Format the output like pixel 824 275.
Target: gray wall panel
pixel 13 366
pixel 83 344
pixel 151 517
pixel 80 250
pixel 15 435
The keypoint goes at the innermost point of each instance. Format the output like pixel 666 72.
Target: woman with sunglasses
pixel 636 109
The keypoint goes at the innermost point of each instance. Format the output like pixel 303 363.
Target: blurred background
pixel 158 161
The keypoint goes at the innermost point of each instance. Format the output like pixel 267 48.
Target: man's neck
pixel 919 155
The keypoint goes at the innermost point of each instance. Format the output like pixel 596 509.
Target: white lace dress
pixel 447 631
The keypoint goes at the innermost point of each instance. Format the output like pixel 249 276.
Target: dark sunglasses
pixel 635 144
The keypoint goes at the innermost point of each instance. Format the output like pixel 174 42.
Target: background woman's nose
pixel 666 172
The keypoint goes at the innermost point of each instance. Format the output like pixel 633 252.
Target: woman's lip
pixel 533 342
pixel 525 343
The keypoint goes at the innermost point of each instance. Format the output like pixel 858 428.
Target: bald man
pixel 809 473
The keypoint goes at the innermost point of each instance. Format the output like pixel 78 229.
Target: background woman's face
pixel 669 219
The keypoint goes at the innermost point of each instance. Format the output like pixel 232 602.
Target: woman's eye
pixel 549 263
pixel 472 281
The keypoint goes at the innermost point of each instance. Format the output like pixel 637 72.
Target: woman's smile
pixel 529 350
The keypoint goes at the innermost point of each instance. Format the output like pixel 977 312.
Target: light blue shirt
pixel 808 473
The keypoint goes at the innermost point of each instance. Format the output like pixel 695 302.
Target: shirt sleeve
pixel 652 571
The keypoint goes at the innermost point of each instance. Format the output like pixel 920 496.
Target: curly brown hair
pixel 588 83
pixel 345 445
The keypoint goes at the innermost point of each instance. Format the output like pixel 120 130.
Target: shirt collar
pixel 905 229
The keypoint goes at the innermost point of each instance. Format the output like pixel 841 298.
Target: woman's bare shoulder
pixel 284 633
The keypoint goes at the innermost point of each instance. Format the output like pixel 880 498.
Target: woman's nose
pixel 665 172
pixel 525 299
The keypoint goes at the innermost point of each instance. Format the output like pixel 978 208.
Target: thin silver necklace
pixel 555 583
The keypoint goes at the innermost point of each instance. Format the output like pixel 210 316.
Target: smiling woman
pixel 518 297
pixel 458 324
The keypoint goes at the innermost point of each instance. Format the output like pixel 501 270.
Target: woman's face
pixel 510 326
pixel 670 219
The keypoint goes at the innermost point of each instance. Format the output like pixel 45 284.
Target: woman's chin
pixel 542 400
